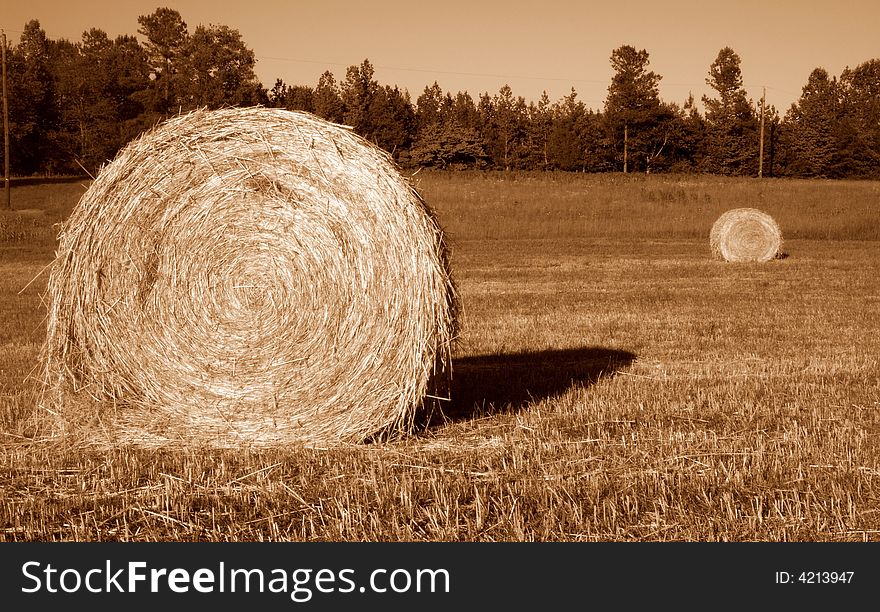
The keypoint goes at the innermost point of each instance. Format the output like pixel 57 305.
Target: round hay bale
pixel 745 234
pixel 250 275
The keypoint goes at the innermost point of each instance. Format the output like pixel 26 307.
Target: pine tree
pixel 31 99
pixel 167 35
pixel 566 141
pixel 382 114
pixel 731 145
pixel 98 87
pixel 633 112
pixel 540 127
pixel 858 131
pixel 217 69
pixel 503 119
pixel 327 99
pixel 687 134
pixel 810 127
pixel 429 108
pixel 447 134
pixel 358 90
pixel 392 119
pixel 464 112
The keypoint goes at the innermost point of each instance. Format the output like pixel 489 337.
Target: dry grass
pixel 519 205
pixel 745 234
pixel 612 383
pixel 247 277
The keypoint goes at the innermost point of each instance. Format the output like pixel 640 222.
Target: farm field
pixel 612 382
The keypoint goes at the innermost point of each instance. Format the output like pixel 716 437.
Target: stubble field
pixel 611 382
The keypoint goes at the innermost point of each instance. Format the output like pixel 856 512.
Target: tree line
pixel 73 105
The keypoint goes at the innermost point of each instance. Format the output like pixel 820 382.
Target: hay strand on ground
pixel 249 276
pixel 745 234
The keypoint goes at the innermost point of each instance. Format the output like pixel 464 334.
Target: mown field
pixel 612 382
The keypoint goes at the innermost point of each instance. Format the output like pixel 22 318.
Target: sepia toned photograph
pixel 449 272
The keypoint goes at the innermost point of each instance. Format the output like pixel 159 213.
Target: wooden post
pixel 6 197
pixel 625 139
pixel 761 142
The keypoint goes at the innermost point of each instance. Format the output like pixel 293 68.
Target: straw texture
pixel 249 276
pixel 745 234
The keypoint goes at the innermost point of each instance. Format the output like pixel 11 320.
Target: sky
pixel 533 46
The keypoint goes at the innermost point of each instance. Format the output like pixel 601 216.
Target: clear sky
pixel 534 45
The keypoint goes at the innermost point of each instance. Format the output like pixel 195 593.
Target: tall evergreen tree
pixel 540 127
pixel 392 119
pixel 167 36
pixel 217 69
pixel 809 127
pixel 632 108
pixel 300 97
pixel 327 99
pixel 464 111
pixel 686 137
pixel 429 107
pixel 503 118
pixel 98 83
pixel 447 135
pixel 78 86
pixel 858 131
pixel 33 117
pixel 358 90
pixel 567 146
pixel 382 115
pixel 731 145
pixel 277 94
pixel 292 97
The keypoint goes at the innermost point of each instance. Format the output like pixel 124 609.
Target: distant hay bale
pixel 249 276
pixel 745 234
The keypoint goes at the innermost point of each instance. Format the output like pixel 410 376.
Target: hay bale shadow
pixel 508 382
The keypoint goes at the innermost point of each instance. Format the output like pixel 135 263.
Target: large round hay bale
pixel 745 234
pixel 252 276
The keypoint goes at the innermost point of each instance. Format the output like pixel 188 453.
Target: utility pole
pixel 761 144
pixel 6 199
pixel 625 142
